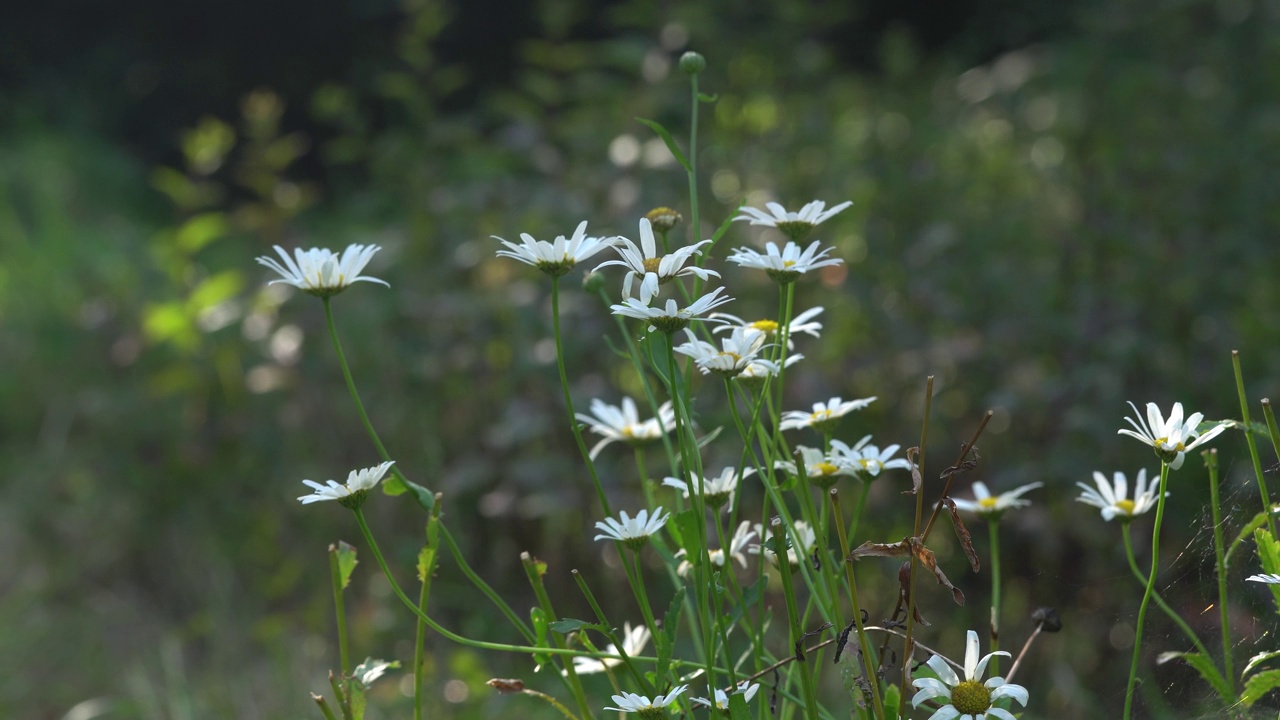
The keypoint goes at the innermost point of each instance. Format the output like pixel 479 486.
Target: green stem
pixel 617 642
pixel 1248 438
pixel 484 587
pixel 324 707
pixel 857 509
pixel 1146 595
pixel 994 525
pixel 908 646
pixel 533 571
pixel 1160 602
pixel 864 643
pixel 1211 461
pixel 420 634
pixel 339 610
pixel 779 537
pixel 568 397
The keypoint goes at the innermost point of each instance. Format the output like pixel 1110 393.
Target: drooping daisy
pixel 1171 439
pixel 716 491
pixel 795 225
pixel 1113 499
pixel 746 689
pixel 623 424
pixel 557 257
pixel 869 459
pixel 824 416
pixel 804 534
pixel 988 505
pixel 735 354
pixel 969 698
pixel 670 318
pixel 633 642
pixel 802 323
pixel 351 494
pixel 663 218
pixel 821 468
pixel 786 265
pixel 1265 578
pixel 655 708
pixel 320 271
pixel 634 532
pixel 653 270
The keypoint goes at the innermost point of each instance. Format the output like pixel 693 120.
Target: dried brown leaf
pixel 874 549
pixel 963 534
pixel 506 685
pixel 917 482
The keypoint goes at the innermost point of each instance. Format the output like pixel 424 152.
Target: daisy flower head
pixel 1113 499
pixel 556 257
pixel 804 535
pixel 633 642
pixel 663 218
pixel 623 424
pixel 655 708
pixel 1172 438
pixel 746 689
pixel 757 371
pixel 735 354
pixel 633 532
pixel 643 261
pixel 670 318
pixel 869 459
pixel 795 225
pixel 822 469
pixel 1265 578
pixel 993 506
pixel 802 323
pixel 716 491
pixel 719 556
pixel 824 416
pixel 350 494
pixel 320 271
pixel 968 698
pixel 785 265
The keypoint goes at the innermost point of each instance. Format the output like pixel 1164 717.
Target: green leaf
pixel 1258 521
pixel 393 486
pixel 666 138
pixel 686 527
pixel 1269 556
pixel 357 702
pixel 540 625
pixel 670 624
pixel 738 709
pixel 1203 665
pixel 725 224
pixel 346 562
pixel 1257 660
pixel 1259 685
pixel 426 561
pixel 569 625
pixel 750 596
pixel 703 97
pixel 892 700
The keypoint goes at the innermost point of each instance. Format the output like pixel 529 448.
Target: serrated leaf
pixel 346 562
pixel 569 625
pixel 670 623
pixel 1205 667
pixel 666 138
pixel 1259 685
pixel 1257 660
pixel 426 560
pixel 1258 521
pixel 1269 556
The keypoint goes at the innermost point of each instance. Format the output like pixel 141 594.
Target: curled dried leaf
pixel 506 685
pixel 925 557
pixel 962 533
pixel 917 482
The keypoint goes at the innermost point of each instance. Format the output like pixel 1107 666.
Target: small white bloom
pixel 786 265
pixel 1113 499
pixel 988 505
pixel 802 323
pixel 353 492
pixel 635 531
pixel 824 415
pixel 869 458
pixel 371 669
pixel 653 269
pixel 633 703
pixel 757 371
pixel 558 257
pixel 320 271
pixel 633 642
pixel 795 225
pixel 968 698
pixel 718 556
pixel 623 424
pixel 804 535
pixel 740 350
pixel 670 317
pixel 821 468
pixel 716 491
pixel 746 688
pixel 1171 439
pixel 1264 578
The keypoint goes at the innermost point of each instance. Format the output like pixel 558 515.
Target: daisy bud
pixel 692 63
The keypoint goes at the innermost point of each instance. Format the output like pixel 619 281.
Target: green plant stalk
pixel 420 636
pixel 864 643
pixel 908 646
pixel 324 707
pixel 857 509
pixel 994 526
pixel 544 601
pixel 617 643
pixel 637 585
pixel 484 587
pixel 568 398
pixel 335 576
pixel 344 699
pixel 793 618
pixel 1160 602
pixel 1146 595
pixel 786 300
pixel 1248 438
pixel 1211 461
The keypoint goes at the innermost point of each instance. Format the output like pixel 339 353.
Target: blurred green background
pixel 1057 208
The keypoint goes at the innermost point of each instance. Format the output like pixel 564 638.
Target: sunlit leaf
pixel 666 138
pixel 1203 665
pixel 346 562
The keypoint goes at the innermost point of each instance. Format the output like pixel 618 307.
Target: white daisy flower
pixel 633 642
pixel 786 265
pixel 988 505
pixel 757 371
pixel 718 556
pixel 795 225
pixel 868 458
pixel 824 416
pixel 1113 499
pixel 822 469
pixel 635 531
pixel 969 698
pixel 716 491
pixel 1265 578
pixel 655 708
pixel 557 257
pixel 320 271
pixel 804 534
pixel 623 424
pixel 350 494
pixel 653 269
pixel 802 323
pixel 1171 439
pixel 670 317
pixel 746 689
pixel 740 350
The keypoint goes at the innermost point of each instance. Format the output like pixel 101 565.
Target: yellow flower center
pixel 788 263
pixel 987 503
pixel 765 326
pixel 734 356
pixel 1125 506
pixel 629 431
pixel 820 415
pixel 826 468
pixel 652 264
pixel 971 697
